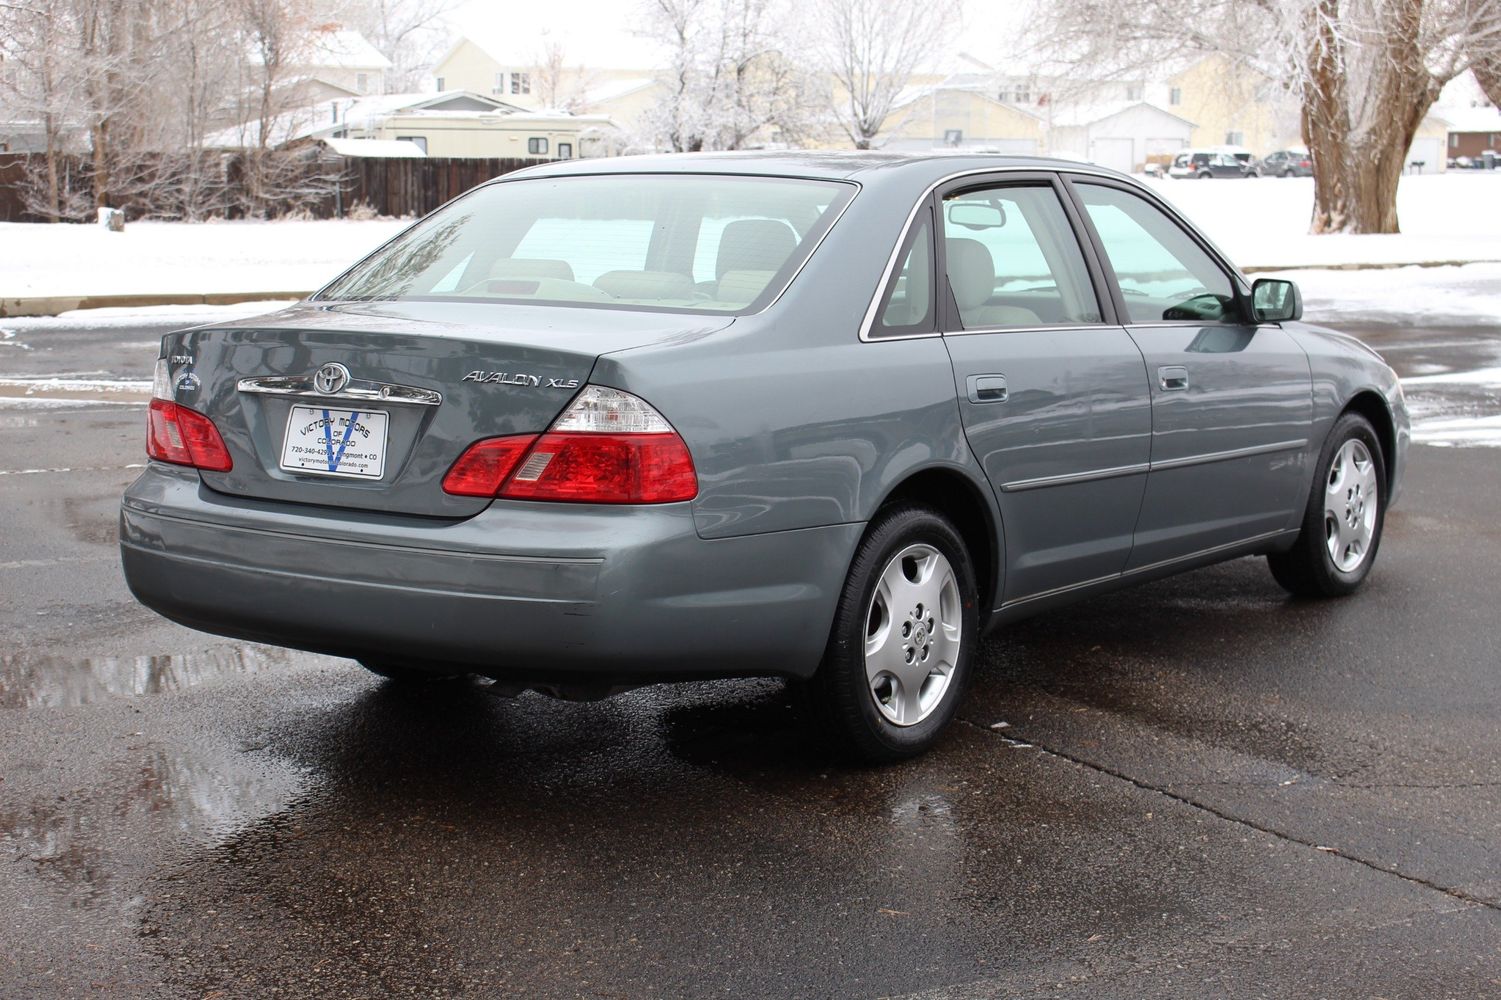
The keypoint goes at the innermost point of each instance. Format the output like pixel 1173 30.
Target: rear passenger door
pixel 1052 392
pixel 1232 406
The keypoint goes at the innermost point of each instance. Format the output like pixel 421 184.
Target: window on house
pixel 441 83
pixel 420 141
pixel 1175 96
pixel 362 82
pixel 1235 138
pixel 1453 140
pixel 1133 91
pixel 500 84
pixel 565 150
pixel 521 83
pixel 1022 95
pixel 536 147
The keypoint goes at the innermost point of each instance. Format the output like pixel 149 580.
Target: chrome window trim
pixel 868 323
pixel 1051 328
pixel 358 390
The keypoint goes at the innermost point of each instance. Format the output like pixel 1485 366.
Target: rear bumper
pixel 524 591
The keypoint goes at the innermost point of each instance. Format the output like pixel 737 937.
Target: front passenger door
pixel 1232 403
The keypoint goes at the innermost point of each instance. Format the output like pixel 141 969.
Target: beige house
pixel 343 60
pixel 1228 105
pixel 938 116
pixel 454 123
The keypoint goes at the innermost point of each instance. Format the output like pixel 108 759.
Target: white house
pixel 1118 134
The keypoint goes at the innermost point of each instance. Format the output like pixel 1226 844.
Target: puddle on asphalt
pixel 78 835
pixel 28 680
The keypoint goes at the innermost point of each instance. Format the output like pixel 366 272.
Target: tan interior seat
pixel 972 277
pixel 754 245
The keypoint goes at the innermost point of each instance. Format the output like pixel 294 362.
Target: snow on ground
pixel 71 259
pixel 1259 222
pixel 179 316
pixel 1436 296
pixel 1263 221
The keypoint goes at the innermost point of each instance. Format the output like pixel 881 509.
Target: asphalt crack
pixel 1016 740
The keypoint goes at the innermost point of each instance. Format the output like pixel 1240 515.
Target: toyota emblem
pixel 330 378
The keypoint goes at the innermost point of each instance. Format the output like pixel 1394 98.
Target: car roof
pixel 830 165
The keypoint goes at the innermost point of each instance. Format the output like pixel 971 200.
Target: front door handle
pixel 1172 378
pixel 987 388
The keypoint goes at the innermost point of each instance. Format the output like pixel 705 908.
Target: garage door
pixel 1430 151
pixel 1117 154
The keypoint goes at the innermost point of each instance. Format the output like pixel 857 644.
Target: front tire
pixel 905 629
pixel 1346 512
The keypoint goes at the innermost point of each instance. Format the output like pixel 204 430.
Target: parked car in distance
pixel 1203 164
pixel 1286 163
pixel 830 417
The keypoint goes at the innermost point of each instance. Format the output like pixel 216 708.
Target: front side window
pixel 1163 274
pixel 681 242
pixel 1013 260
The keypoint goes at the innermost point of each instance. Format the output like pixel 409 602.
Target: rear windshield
pixel 679 242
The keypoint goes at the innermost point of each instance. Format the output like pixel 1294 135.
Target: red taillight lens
pixel 605 468
pixel 182 436
pixel 606 447
pixel 484 466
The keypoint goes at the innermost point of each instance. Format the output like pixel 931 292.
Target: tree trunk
pixel 1326 122
pixel 100 133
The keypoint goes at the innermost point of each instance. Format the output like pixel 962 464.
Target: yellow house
pixel 524 81
pixel 931 116
pixel 1229 105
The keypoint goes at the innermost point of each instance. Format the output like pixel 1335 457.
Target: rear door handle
pixel 1172 378
pixel 987 388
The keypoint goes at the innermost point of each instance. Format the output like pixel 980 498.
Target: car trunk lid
pixel 366 406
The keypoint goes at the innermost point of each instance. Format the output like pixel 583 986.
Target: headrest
pixel 646 285
pixel 754 245
pixel 531 267
pixel 971 272
pixel 743 286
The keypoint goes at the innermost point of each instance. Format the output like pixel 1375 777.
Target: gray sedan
pixel 831 417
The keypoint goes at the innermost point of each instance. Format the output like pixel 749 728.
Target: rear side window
pixel 1163 274
pixel 1013 260
pixel 909 305
pixel 682 242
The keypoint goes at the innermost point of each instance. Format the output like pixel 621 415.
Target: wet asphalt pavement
pixel 1193 788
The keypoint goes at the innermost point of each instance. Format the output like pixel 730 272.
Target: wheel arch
pixel 1372 405
pixel 969 505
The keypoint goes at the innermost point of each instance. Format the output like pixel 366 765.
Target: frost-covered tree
pixel 410 33
pixel 871 48
pixel 1365 72
pixel 731 79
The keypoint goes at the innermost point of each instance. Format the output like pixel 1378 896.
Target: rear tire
pixel 905 630
pixel 403 674
pixel 1346 512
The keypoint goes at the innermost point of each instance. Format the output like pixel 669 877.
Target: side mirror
pixel 1276 301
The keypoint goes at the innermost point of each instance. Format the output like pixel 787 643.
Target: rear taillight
pixel 607 447
pixel 179 435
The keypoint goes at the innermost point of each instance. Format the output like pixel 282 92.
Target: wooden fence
pixel 396 187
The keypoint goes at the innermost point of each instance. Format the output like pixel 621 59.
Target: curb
pixel 52 305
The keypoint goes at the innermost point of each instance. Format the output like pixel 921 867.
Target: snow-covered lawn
pixel 1261 223
pixel 169 257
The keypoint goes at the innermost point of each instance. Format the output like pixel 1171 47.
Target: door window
pixel 1013 260
pixel 1163 274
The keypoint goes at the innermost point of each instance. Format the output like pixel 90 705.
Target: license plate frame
pixel 336 441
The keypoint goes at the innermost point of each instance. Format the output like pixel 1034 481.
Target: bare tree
pixel 1365 72
pixel 732 80
pixel 872 48
pixel 407 32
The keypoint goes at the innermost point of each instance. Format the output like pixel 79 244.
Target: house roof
pixel 1090 113
pixel 616 89
pixel 390 149
pixel 341 48
pixel 1471 119
pixel 983 91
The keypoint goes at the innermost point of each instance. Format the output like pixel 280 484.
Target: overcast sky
pixel 604 33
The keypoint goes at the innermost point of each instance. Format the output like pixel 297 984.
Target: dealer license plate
pixel 330 442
